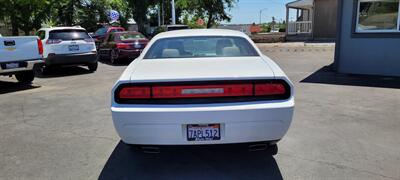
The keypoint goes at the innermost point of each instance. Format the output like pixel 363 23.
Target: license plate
pixel 73 47
pixel 12 65
pixel 203 132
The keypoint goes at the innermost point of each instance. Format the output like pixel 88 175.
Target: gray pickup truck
pixel 20 56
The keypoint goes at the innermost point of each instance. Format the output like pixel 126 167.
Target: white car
pixel 68 46
pixel 202 87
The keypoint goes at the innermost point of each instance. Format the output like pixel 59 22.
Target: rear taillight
pixel 267 89
pixel 122 46
pixel 227 90
pixel 135 93
pixel 53 41
pixel 203 92
pixel 40 46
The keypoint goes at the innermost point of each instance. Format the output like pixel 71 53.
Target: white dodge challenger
pixel 198 87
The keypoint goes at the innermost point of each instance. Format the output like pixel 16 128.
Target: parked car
pixel 20 56
pixel 68 46
pixel 103 32
pixel 122 45
pixel 202 87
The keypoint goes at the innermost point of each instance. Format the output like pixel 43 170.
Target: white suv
pixel 68 46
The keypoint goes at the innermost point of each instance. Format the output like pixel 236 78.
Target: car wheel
pixel 25 77
pixel 114 56
pixel 93 67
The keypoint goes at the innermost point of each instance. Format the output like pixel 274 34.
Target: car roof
pixel 200 32
pixel 62 28
pixel 127 32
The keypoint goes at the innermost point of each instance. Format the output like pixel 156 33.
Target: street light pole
pixel 159 14
pixel 261 13
pixel 173 12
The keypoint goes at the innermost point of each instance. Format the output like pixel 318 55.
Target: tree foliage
pixel 140 10
pixel 213 11
pixel 28 15
pixel 24 15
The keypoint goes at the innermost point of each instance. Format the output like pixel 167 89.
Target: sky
pixel 248 11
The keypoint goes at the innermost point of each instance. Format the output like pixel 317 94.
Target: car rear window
pixel 201 46
pixel 127 37
pixel 69 34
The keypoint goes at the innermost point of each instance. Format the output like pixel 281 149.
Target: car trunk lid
pixel 204 69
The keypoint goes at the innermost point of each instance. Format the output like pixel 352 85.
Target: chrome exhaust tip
pixel 151 150
pixel 258 147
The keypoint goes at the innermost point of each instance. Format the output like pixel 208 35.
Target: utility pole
pixel 162 13
pixel 261 13
pixel 159 14
pixel 173 12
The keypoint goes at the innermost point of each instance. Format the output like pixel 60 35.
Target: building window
pixel 378 16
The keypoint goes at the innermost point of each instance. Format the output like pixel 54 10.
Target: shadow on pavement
pixel 8 87
pixel 55 72
pixel 191 162
pixel 325 75
pixel 121 62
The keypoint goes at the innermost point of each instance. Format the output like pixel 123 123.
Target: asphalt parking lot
pixel 345 127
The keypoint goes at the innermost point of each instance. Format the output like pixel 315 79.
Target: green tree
pixel 88 13
pixel 24 15
pixel 140 10
pixel 213 11
pixel 122 6
pixel 66 11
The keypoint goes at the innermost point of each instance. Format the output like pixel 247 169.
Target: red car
pixel 122 45
pixel 103 32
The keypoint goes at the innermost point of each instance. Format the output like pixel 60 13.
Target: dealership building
pixel 368 37
pixel 367 32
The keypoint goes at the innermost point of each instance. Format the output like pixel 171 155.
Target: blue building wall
pixel 374 54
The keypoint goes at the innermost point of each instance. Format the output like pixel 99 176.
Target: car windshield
pixel 69 34
pixel 127 37
pixel 202 46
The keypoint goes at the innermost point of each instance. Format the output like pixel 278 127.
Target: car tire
pixel 113 56
pixel 25 77
pixel 93 67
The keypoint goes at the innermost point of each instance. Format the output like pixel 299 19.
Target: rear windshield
pixel 204 46
pixel 69 34
pixel 127 37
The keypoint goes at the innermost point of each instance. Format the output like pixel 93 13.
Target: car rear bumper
pixel 129 53
pixel 167 125
pixel 71 59
pixel 28 65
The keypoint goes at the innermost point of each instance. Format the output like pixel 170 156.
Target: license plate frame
pixel 203 132
pixel 73 47
pixel 12 65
